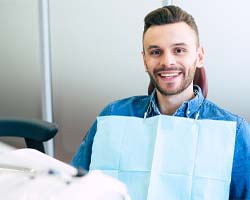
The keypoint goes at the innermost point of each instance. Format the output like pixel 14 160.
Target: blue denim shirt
pixel 139 105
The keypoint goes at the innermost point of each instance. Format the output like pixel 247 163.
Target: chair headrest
pixel 200 79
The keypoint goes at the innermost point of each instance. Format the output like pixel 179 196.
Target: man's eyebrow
pixel 152 47
pixel 173 45
pixel 179 44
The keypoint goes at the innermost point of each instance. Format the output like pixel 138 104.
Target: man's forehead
pixel 170 33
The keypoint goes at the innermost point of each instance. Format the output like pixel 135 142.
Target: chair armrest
pixel 34 129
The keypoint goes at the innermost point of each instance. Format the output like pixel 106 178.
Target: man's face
pixel 171 55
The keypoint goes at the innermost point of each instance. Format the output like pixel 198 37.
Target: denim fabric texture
pixel 140 106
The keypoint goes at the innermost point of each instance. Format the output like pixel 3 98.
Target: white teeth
pixel 169 75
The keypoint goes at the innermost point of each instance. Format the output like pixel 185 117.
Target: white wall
pixel 96 51
pixel 224 31
pixel 96 58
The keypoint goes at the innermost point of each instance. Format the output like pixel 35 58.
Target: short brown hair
pixel 169 15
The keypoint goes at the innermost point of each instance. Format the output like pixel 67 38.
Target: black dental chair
pixel 34 131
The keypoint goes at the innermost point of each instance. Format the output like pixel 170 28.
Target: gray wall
pixel 19 61
pixel 19 58
pixel 96 58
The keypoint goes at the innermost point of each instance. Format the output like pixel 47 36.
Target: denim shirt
pixel 146 106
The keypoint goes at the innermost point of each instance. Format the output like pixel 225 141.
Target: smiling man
pixel 171 54
pixel 170 58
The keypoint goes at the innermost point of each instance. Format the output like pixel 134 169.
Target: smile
pixel 169 74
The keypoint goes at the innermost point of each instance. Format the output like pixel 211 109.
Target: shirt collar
pixel 187 109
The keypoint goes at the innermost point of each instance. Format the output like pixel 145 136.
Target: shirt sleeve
pixel 82 157
pixel 240 180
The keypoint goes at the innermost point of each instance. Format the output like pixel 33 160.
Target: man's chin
pixel 168 92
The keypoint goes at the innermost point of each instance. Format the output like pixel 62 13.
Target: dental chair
pixel 34 131
pixel 200 79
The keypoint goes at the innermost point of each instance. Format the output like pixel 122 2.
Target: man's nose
pixel 168 59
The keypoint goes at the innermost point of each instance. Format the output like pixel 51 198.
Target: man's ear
pixel 200 58
pixel 144 61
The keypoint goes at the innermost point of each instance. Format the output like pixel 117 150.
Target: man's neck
pixel 169 104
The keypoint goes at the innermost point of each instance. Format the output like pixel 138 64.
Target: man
pixel 171 54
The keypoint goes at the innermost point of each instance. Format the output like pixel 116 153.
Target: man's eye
pixel 155 52
pixel 179 50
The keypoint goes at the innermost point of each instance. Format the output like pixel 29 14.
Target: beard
pixel 185 83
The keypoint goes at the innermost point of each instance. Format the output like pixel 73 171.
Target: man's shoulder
pixel 130 106
pixel 210 110
pixel 131 100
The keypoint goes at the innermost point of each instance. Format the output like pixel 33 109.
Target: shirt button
pixel 188 112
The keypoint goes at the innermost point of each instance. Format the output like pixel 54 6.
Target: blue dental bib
pixel 166 157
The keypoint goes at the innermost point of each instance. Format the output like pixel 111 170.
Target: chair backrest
pixel 34 131
pixel 200 79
